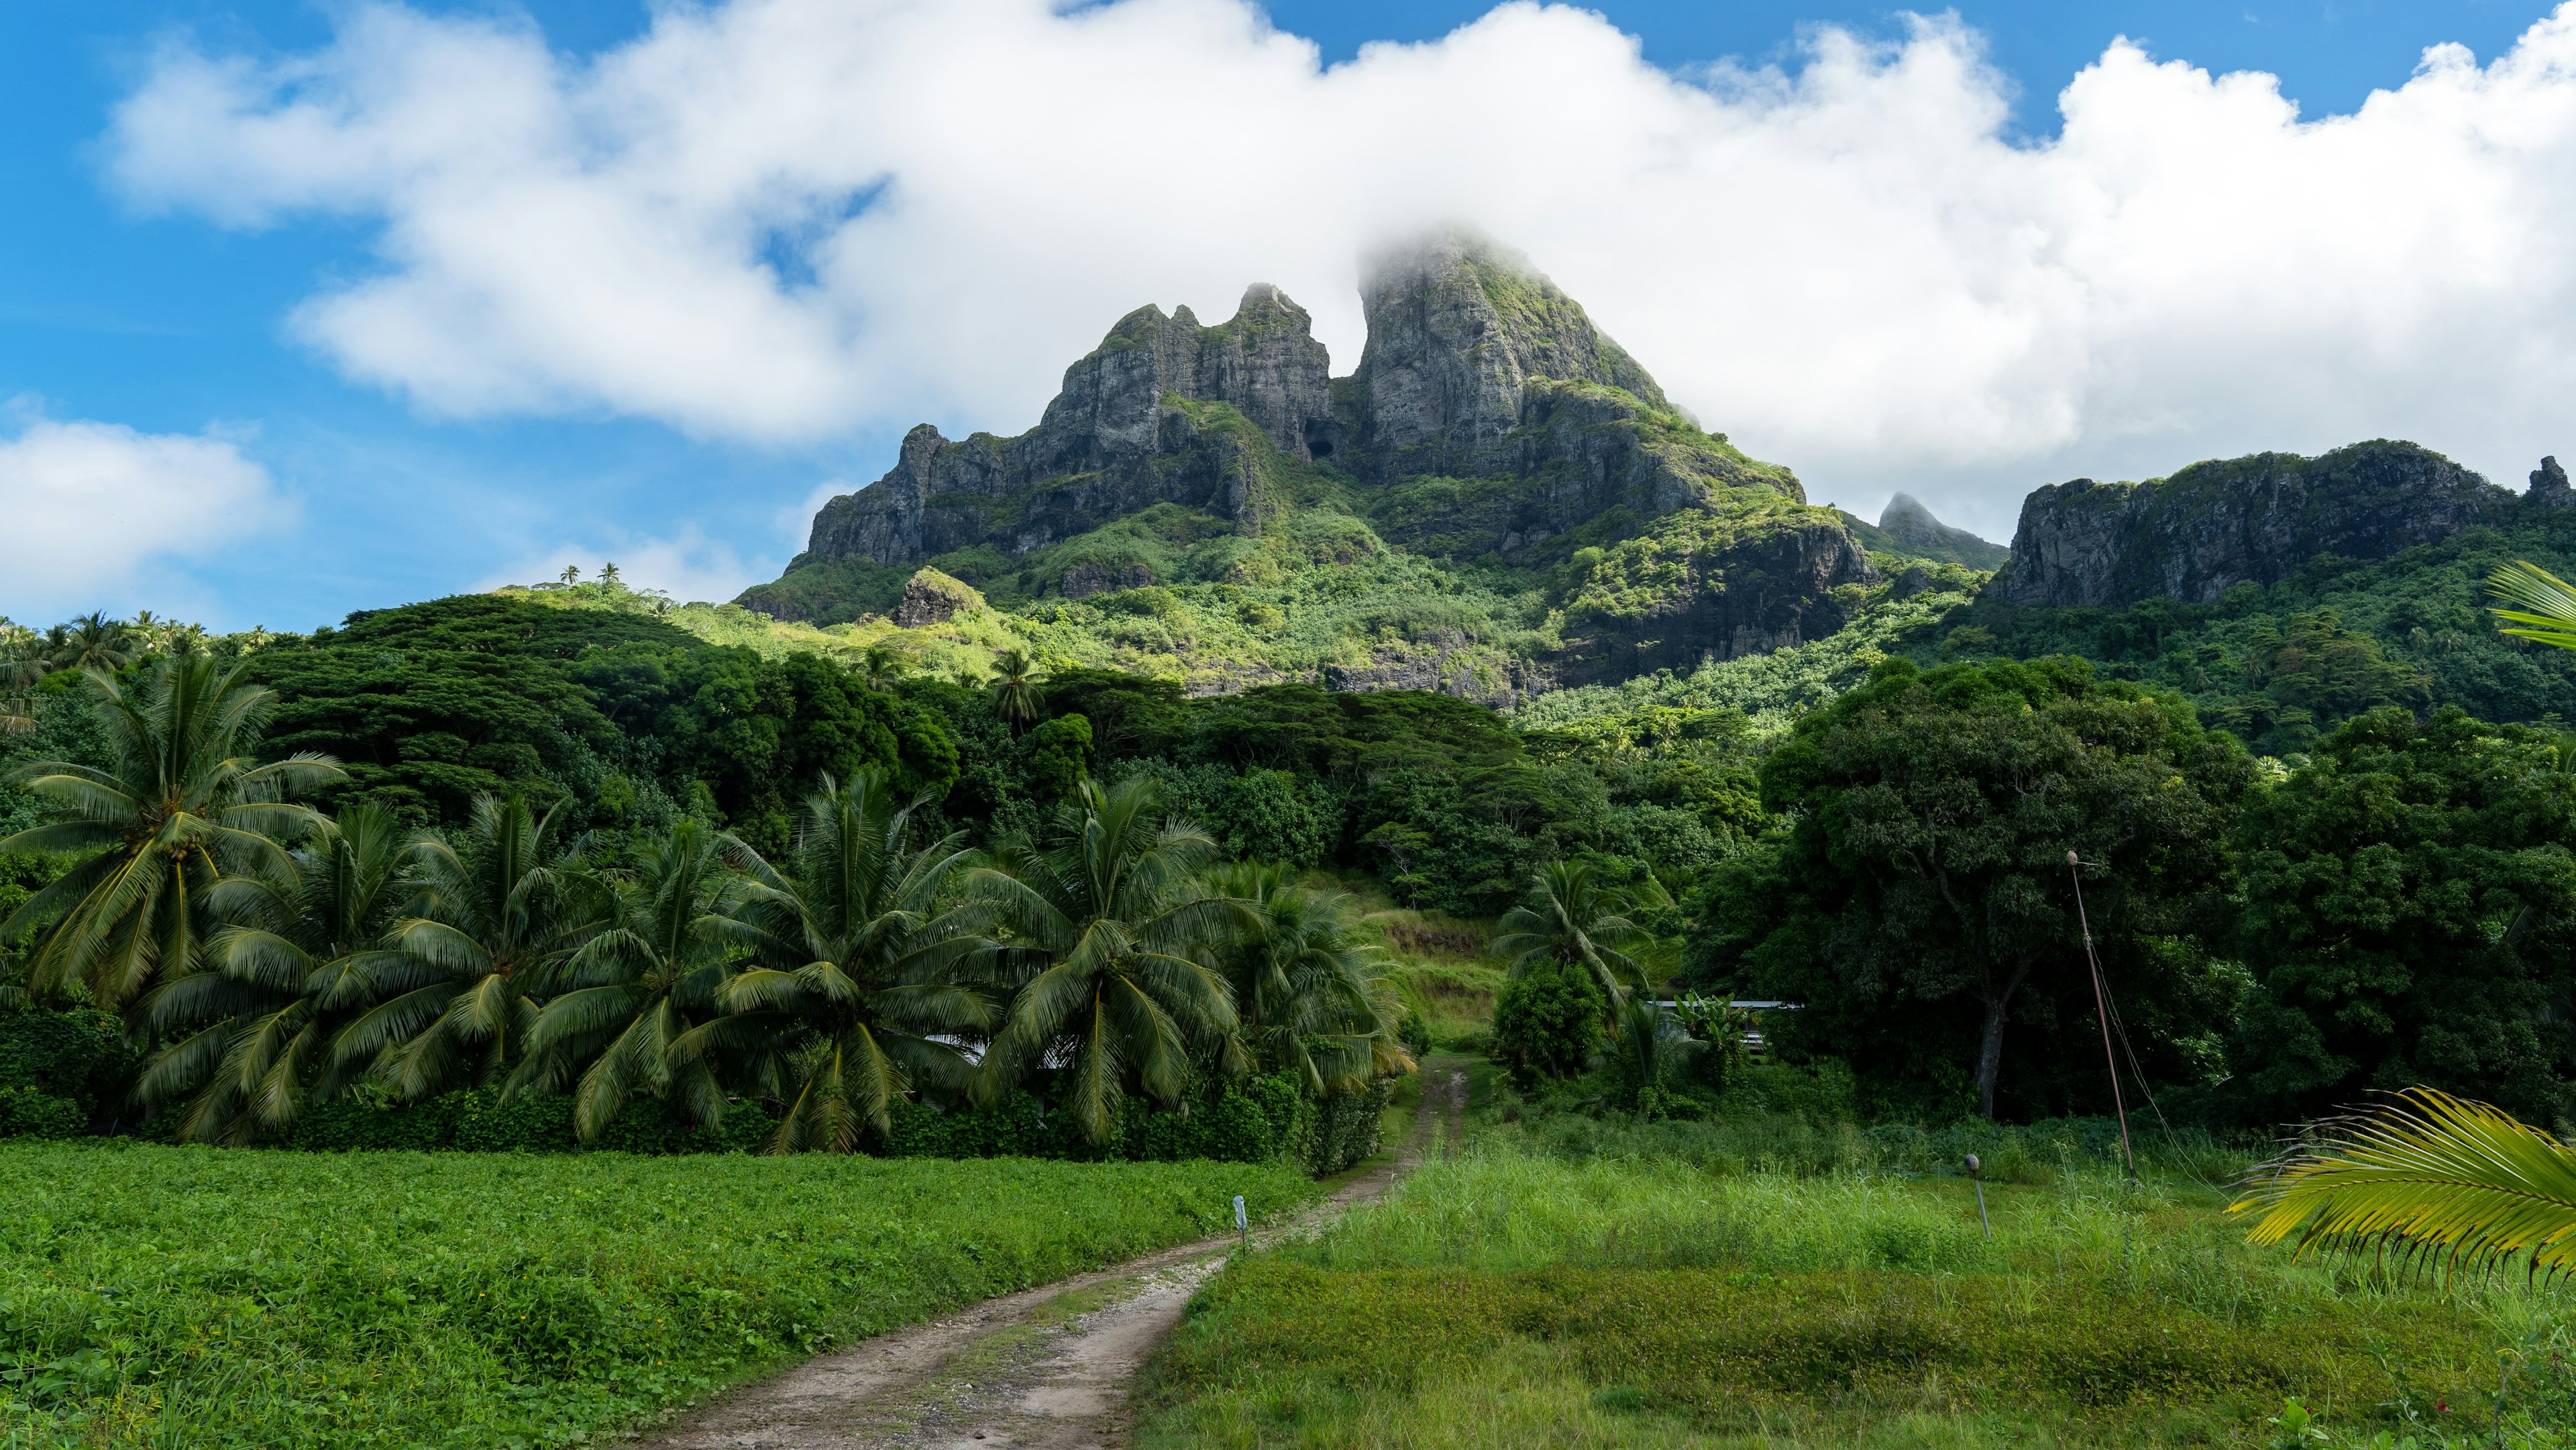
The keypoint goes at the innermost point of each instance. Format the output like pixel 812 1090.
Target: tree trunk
pixel 1990 1055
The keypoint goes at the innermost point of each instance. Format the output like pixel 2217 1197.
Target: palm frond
pixel 2547 604
pixel 2440 1183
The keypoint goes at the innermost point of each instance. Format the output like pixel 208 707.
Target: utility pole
pixel 2102 1009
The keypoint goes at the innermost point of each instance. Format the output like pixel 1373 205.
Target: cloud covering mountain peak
pixel 790 220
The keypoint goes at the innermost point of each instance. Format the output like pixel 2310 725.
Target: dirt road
pixel 1044 1369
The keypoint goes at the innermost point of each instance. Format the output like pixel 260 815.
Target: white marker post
pixel 1242 1224
pixel 1976 1174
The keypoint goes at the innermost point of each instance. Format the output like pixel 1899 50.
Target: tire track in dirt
pixel 1043 1369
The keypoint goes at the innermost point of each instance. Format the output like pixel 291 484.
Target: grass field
pixel 1523 1295
pixel 164 1297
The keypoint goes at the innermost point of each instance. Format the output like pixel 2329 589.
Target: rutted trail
pixel 1044 1369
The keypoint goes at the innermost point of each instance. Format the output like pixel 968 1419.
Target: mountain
pixel 2216 525
pixel 1906 527
pixel 1498 500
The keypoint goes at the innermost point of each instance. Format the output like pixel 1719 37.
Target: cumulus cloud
pixel 89 504
pixel 783 220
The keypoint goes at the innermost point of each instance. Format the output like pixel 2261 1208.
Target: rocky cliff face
pixel 1703 588
pixel 1458 327
pixel 2215 525
pixel 1111 443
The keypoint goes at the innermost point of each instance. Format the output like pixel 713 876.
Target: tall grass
pixel 1770 1281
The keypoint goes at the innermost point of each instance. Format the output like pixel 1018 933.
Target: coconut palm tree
pixel 2443 1184
pixel 303 952
pixel 489 916
pixel 854 1001
pixel 1308 999
pixel 1105 939
pixel 93 642
pixel 22 664
pixel 624 996
pixel 1015 694
pixel 1573 916
pixel 1650 1049
pixel 881 666
pixel 181 806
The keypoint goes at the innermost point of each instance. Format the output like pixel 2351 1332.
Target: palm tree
pixel 489 917
pixel 22 664
pixel 1104 937
pixel 1015 695
pixel 1573 916
pixel 628 993
pixel 2446 1184
pixel 2547 612
pixel 881 666
pixel 180 808
pixel 1650 1048
pixel 1307 998
pixel 855 992
pixel 92 642
pixel 303 952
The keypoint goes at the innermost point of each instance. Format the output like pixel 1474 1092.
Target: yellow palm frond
pixel 2548 604
pixel 2441 1183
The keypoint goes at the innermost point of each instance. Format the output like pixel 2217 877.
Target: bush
pixel 1547 1021
pixel 77 1054
pixel 1251 1122
pixel 477 1121
pixel 27 1112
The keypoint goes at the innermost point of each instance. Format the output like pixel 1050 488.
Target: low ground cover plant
pixel 158 1296
pixel 1768 1281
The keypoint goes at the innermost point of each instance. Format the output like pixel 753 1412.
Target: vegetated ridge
pixel 1498 501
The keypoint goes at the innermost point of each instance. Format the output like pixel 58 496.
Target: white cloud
pixel 687 567
pixel 783 220
pixel 87 505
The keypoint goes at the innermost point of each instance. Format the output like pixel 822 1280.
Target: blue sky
pixel 166 305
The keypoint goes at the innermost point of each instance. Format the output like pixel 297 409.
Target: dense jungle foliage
pixel 2310 866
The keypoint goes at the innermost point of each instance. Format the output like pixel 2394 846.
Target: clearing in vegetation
pixel 1569 1282
pixel 168 1297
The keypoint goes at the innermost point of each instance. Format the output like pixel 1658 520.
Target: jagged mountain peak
pixel 1458 327
pixel 1905 526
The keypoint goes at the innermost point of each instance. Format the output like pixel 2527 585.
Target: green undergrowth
pixel 167 1297
pixel 1643 1290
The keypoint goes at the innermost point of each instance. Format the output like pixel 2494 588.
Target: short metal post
pixel 1974 1176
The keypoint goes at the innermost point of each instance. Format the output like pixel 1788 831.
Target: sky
pixel 311 308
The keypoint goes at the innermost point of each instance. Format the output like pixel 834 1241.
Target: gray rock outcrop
pixel 2216 525
pixel 930 597
pixel 1110 444
pixel 2549 486
pixel 1747 591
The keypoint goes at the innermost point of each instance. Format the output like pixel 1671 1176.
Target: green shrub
pixel 75 1053
pixel 477 1121
pixel 27 1112
pixel 1547 1021
pixel 1255 1121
